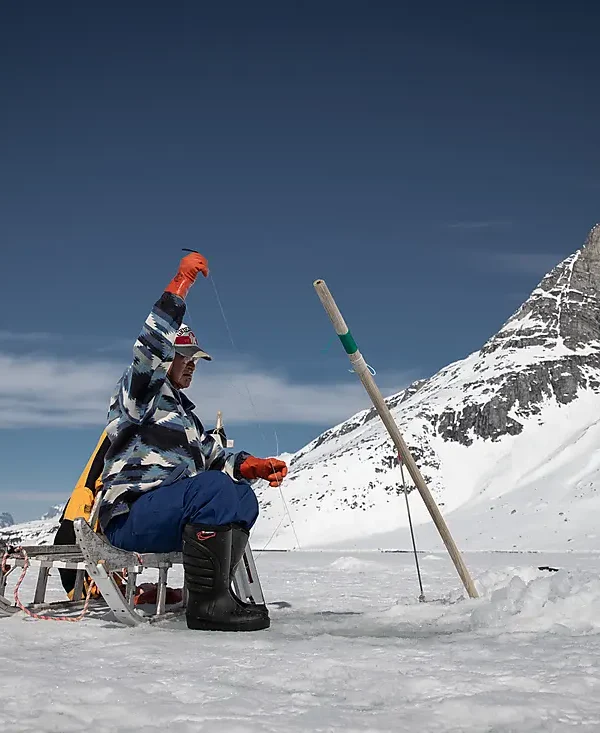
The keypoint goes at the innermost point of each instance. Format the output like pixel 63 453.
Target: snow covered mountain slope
pixel 508 440
pixel 36 532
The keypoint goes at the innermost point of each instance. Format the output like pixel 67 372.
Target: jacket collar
pixel 185 401
pixel 187 404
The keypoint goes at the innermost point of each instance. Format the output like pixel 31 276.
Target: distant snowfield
pixel 355 652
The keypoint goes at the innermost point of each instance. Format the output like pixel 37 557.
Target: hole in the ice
pixel 339 613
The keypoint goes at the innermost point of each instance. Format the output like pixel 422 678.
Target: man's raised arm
pixel 154 349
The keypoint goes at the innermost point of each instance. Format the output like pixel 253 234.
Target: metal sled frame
pixel 105 565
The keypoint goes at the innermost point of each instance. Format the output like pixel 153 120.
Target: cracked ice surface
pixel 355 652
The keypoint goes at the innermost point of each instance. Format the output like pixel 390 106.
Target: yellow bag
pixel 80 504
pixel 82 498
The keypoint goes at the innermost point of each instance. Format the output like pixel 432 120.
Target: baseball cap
pixel 187 344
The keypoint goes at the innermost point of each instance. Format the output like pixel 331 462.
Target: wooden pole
pixel 361 368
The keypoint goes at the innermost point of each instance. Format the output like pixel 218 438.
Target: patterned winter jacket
pixel 155 438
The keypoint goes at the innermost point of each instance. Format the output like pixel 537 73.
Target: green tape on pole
pixel 348 343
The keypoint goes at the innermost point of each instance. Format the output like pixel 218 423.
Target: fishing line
pixel 254 408
pixel 283 497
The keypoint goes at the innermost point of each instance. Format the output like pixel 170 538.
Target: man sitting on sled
pixel 169 486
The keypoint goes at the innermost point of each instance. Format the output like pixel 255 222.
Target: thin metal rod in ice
pixel 361 368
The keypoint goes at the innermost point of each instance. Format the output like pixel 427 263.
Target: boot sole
pixel 198 624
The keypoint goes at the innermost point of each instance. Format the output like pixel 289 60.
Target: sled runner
pixel 100 579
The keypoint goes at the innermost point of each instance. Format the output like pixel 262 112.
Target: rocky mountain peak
pixel 54 512
pixel 6 520
pixel 563 311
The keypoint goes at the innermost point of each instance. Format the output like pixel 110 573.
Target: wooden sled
pixel 114 573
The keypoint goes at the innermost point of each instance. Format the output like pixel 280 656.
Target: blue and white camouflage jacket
pixel 155 438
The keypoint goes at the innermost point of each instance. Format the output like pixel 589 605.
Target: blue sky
pixel 430 163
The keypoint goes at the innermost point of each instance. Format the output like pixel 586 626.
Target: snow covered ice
pixel 356 651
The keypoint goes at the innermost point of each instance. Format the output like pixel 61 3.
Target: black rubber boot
pixel 239 542
pixel 207 566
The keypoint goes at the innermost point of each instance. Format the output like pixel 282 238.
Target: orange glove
pixel 189 267
pixel 270 469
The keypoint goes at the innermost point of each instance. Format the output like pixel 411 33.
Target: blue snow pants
pixel 156 519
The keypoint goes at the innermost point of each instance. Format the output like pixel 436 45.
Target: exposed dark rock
pixel 6 520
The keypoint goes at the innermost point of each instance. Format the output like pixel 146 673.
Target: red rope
pixel 4 568
pixel 41 617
